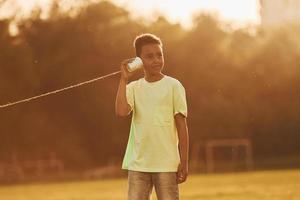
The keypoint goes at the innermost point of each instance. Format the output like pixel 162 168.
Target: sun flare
pixel 240 12
pixel 176 11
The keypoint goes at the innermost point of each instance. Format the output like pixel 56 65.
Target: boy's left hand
pixel 182 173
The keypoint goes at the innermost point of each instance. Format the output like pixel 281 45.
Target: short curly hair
pixel 144 39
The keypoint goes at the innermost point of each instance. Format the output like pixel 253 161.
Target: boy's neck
pixel 154 78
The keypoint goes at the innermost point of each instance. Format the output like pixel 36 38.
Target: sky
pixel 238 12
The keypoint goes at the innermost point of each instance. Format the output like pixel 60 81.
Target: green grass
pixel 263 185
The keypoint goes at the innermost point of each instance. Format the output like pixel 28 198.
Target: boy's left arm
pixel 183 137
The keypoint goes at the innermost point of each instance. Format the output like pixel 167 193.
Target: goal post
pixel 211 145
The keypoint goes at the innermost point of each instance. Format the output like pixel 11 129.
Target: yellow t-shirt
pixel 153 141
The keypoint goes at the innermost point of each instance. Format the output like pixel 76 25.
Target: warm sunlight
pixel 238 12
pixel 196 95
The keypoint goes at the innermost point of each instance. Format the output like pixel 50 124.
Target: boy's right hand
pixel 125 74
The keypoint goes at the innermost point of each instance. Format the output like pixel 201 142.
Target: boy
pixel 157 149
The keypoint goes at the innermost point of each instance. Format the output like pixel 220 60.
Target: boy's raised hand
pixel 125 74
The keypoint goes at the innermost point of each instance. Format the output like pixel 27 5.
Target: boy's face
pixel 153 59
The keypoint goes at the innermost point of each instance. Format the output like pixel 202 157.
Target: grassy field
pixel 263 185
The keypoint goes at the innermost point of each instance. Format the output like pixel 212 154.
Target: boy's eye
pixel 150 56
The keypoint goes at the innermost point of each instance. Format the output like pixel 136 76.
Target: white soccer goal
pixel 212 145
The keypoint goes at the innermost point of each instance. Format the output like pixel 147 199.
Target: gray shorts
pixel 140 185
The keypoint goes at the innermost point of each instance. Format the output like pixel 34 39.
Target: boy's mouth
pixel 156 66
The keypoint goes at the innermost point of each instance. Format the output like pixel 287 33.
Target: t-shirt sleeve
pixel 130 94
pixel 179 97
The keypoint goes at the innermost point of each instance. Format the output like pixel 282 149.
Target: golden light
pixel 237 12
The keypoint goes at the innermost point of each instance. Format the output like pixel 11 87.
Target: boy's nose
pixel 157 59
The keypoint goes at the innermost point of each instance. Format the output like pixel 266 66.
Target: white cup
pixel 137 63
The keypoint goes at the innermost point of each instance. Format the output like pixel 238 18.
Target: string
pixel 59 90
